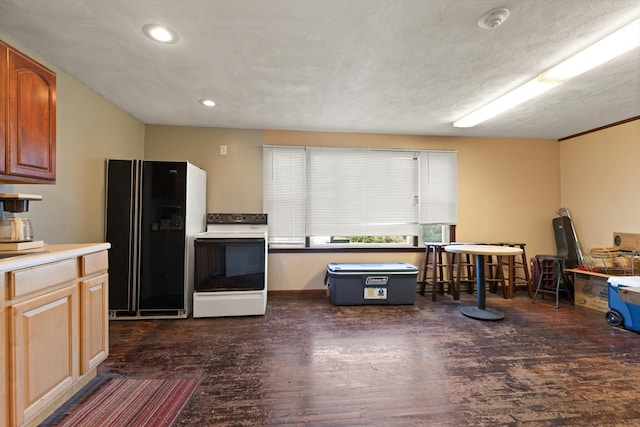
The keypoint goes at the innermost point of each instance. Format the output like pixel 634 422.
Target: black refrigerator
pixel 153 210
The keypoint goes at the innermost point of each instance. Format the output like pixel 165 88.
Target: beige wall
pixel 234 180
pixel 600 183
pixel 499 186
pixel 499 197
pixel 89 130
pixel 508 189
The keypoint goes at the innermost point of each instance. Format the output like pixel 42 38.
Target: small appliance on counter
pixel 16 233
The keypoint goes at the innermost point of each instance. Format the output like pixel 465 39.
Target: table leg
pixel 480 312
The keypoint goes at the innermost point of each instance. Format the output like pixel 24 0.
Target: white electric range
pixel 231 266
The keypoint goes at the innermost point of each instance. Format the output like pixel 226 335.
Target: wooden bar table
pixel 481 312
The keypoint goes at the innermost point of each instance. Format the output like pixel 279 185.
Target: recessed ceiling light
pixel 160 34
pixel 207 102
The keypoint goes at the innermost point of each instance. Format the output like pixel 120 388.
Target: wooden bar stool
pixel 494 274
pixel 464 273
pixel 517 270
pixel 437 271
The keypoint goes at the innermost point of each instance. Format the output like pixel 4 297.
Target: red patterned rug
pixel 127 402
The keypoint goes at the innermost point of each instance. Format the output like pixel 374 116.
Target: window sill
pixel 339 249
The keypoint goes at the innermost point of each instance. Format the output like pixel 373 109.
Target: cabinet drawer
pixel 93 263
pixel 28 280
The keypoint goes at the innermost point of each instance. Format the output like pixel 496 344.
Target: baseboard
pixel 298 293
pixel 60 400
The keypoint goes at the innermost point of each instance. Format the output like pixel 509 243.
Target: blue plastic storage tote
pixel 372 283
pixel 624 302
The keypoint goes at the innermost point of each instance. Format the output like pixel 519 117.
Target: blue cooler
pixel 624 302
pixel 375 283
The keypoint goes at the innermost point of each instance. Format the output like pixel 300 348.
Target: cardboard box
pixel 591 292
pixel 626 241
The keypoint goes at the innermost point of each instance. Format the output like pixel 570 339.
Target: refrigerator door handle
pixel 136 219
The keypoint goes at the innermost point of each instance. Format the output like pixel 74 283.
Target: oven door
pixel 229 264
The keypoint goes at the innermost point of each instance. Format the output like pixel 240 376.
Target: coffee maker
pixel 16 233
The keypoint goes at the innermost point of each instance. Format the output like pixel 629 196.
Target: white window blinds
pixel 361 192
pixel 356 192
pixel 284 189
pixel 438 187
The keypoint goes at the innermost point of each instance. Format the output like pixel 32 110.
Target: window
pixel 436 233
pixel 356 196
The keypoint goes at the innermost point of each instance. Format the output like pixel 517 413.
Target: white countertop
pixel 47 253
pixel 483 249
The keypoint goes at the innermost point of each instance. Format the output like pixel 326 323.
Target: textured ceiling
pixel 383 66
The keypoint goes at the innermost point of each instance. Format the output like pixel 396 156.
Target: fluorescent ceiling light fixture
pixel 207 102
pixel 160 33
pixel 612 46
pixel 516 97
pixel 616 44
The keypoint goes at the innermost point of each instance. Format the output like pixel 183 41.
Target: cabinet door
pixel 4 81
pixel 94 325
pixel 44 341
pixel 3 366
pixel 31 139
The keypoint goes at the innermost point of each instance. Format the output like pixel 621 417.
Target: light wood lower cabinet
pixel 94 309
pixel 57 333
pixel 45 350
pixel 3 364
pixel 94 322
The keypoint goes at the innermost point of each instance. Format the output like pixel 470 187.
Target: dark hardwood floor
pixel 309 363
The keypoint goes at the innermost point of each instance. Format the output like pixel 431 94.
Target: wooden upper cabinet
pixel 30 138
pixel 4 97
